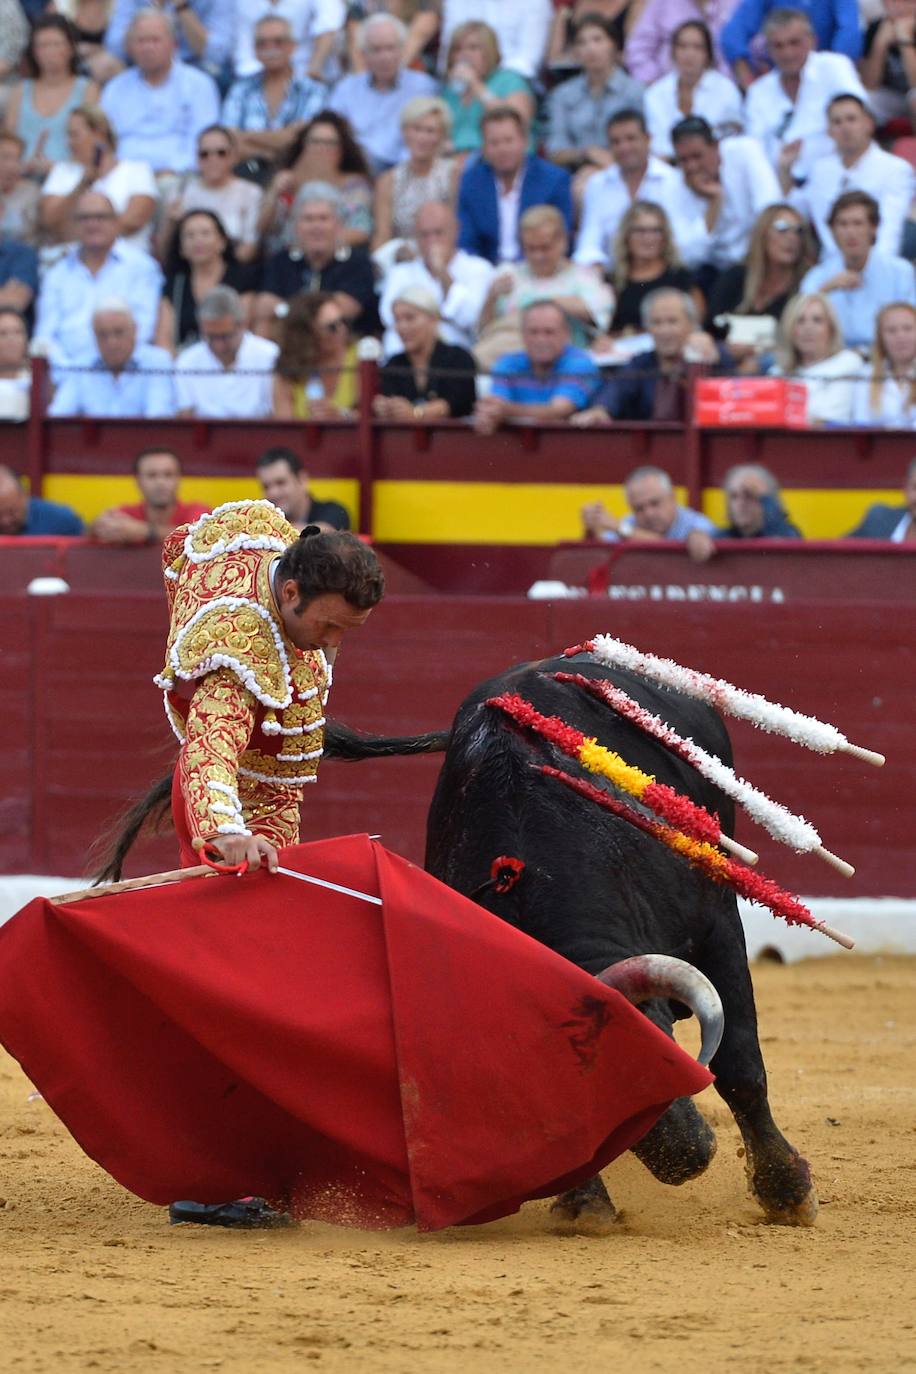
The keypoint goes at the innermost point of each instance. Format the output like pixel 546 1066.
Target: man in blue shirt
pixel 18 275
pixel 267 109
pixel 857 278
pixel 22 514
pixel 549 381
pixel 121 379
pixel 654 512
pixel 160 106
pixel 99 266
pixel 373 100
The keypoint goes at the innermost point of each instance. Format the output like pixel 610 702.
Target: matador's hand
pixel 236 849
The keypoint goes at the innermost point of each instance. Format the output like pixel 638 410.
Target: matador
pixel 257 613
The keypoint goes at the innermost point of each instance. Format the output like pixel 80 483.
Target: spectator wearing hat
pixel 429 380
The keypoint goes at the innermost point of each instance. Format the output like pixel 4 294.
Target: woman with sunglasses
pixel 201 257
pixel 780 252
pixel 236 201
pixel 315 377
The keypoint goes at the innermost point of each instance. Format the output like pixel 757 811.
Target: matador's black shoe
pixel 247 1214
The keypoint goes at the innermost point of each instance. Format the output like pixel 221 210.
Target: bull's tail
pixel 340 742
pixel 112 847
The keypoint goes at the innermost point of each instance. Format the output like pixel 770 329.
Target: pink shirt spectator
pixel 647 53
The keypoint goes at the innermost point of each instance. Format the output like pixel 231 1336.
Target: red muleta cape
pixel 415 1062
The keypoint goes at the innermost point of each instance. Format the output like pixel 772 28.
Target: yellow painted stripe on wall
pixel 538 513
pixel 90 495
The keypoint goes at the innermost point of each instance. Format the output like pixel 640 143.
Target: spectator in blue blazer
pixel 896 523
pixel 502 184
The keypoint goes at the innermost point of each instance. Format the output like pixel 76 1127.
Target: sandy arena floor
pixel 689 1280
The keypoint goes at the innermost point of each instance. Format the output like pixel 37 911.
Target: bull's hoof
pixel 802 1213
pixel 583 1213
pixel 784 1188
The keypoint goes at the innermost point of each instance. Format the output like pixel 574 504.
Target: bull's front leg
pixel 779 1177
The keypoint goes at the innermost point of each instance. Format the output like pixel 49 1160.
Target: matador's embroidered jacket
pixel 245 703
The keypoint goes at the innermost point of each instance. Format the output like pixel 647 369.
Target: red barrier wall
pixel 82 728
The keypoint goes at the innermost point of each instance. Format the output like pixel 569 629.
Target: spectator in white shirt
pixel 159 106
pixel 634 175
pixel 458 280
pixel 811 351
pixel 122 378
pixel 315 25
pixel 97 266
pixel 887 394
pixel 787 108
pixel 694 87
pixel 373 100
pixel 235 200
pixel 229 374
pixel 522 28
pixel 724 187
pixel 130 186
pixel 857 164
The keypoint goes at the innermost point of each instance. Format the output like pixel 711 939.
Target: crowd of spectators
pixel 544 210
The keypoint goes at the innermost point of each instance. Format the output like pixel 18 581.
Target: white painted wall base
pixel 879 925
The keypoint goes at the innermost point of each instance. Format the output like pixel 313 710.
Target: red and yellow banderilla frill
pixel 246 705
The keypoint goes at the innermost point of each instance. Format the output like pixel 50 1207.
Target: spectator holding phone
pixel 93 164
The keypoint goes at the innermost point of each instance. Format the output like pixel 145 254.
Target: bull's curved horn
pixel 659 975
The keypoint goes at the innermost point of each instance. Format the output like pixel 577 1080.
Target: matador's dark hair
pixel 332 561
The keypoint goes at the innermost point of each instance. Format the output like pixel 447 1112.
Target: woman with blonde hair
pixel 315 376
pixel 811 350
pixel 429 380
pixel 475 81
pixel 546 273
pixel 94 165
pixel 887 395
pixel 424 175
pixel 645 258
pixel 779 254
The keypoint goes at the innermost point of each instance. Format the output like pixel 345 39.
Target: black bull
pixel 594 888
pixel 597 890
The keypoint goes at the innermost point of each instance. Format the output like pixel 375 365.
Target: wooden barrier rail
pixel 443 483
